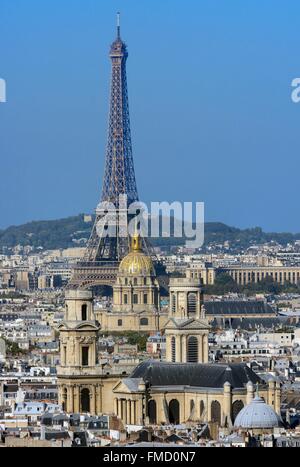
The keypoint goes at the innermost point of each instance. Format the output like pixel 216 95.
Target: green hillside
pixel 74 231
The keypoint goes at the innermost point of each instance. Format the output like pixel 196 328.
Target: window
pixel 64 362
pixel 135 281
pixel 216 412
pixel 173 303
pixel 173 349
pixel 85 356
pixel 125 298
pixel 135 298
pixel 84 312
pixel 120 322
pixel 145 299
pixel 126 281
pixel 192 350
pixel 144 321
pixel 202 407
pixel 192 407
pixel 145 281
pixel 152 411
pixel 192 302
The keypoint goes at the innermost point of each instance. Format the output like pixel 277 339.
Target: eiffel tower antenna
pixel 118 25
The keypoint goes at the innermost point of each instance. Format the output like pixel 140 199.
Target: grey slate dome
pixel 257 414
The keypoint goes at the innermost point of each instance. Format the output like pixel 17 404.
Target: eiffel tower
pixel 104 252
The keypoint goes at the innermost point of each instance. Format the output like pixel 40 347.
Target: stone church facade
pixel 184 388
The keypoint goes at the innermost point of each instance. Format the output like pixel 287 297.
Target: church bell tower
pixel 187 328
pixel 77 382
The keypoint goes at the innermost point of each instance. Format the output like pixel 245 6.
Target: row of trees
pixel 224 283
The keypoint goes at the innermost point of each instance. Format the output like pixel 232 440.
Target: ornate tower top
pixel 118 48
pixel 119 176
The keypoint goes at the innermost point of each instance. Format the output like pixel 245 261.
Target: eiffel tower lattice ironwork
pixel 103 253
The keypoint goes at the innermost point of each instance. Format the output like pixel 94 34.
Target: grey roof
pixel 249 323
pixel 238 307
pixel 204 375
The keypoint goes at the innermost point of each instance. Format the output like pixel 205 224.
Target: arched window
pixel 64 360
pixel 236 408
pixel 202 407
pixel 192 349
pixel 192 302
pixel 216 412
pixel 84 312
pixel 85 400
pixel 173 349
pixel 152 412
pixel 173 299
pixel 174 412
pixel 192 408
pixel 144 322
pixel 85 356
pixel 65 398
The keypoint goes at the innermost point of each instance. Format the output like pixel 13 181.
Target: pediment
pixel 79 326
pixel 186 324
pixel 127 385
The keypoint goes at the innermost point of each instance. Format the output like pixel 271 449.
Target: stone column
pixel 271 393
pixel 95 400
pixel 277 397
pixel 205 348
pixel 227 402
pixel 119 411
pixel 178 349
pixel 128 412
pixel 183 349
pixel 70 399
pixel 139 415
pixel 124 410
pixel 208 409
pixel 200 349
pixel 98 399
pixel 132 408
pixel 168 348
pixel 77 352
pixel 116 406
pixel 76 399
pixel 160 413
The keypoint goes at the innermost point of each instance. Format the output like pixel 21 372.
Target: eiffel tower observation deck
pixel 104 252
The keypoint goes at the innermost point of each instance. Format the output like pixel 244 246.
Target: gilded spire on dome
pixel 136 262
pixel 136 244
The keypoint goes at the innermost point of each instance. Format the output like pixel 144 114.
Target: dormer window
pixel 84 312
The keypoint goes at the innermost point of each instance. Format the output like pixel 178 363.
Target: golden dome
pixel 136 262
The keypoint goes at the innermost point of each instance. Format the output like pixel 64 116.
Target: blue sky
pixel 210 102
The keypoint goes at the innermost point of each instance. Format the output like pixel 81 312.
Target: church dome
pixel 257 414
pixel 136 262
